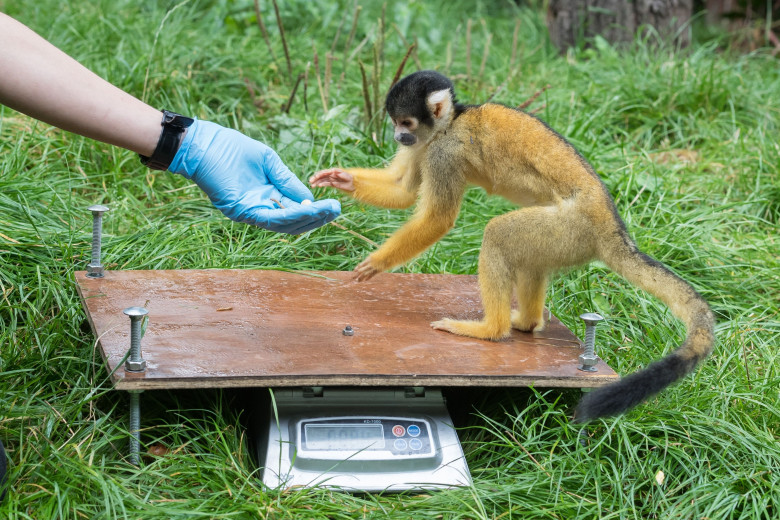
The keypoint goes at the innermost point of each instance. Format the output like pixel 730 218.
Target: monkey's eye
pixel 406 123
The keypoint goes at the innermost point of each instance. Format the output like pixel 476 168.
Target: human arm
pixel 240 175
pixel 43 82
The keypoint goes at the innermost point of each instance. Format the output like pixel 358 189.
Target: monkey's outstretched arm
pixel 392 187
pixel 434 217
pixel 383 188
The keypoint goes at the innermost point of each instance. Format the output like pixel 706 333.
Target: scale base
pixel 420 447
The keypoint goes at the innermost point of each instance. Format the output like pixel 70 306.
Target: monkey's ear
pixel 439 103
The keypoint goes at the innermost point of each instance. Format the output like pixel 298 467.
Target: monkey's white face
pixel 410 131
pixel 405 128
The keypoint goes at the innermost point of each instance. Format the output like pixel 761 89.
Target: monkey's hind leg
pixel 522 249
pixel 496 282
pixel 496 299
pixel 531 291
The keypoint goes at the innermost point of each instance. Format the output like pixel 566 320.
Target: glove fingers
pixel 326 208
pixel 285 180
pixel 295 218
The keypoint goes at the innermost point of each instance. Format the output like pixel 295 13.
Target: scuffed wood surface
pixel 231 328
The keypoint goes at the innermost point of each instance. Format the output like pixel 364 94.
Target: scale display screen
pixel 335 436
pixel 364 438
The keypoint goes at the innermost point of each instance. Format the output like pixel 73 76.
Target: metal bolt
pixel 135 363
pixel 348 331
pixel 588 359
pixel 94 269
pixel 135 425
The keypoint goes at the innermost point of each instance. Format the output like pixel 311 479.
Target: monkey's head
pixel 420 105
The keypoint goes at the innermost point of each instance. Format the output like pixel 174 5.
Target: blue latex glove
pixel 241 176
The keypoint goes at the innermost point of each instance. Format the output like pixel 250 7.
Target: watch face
pixel 176 120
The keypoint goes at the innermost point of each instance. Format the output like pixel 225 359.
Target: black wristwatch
pixel 173 127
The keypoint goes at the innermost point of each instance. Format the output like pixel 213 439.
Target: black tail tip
pixel 619 397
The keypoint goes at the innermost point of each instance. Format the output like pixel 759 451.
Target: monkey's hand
pixel 332 178
pixel 367 269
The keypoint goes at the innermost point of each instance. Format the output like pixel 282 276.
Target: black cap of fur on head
pixel 407 97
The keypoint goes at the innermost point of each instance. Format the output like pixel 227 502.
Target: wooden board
pixel 244 328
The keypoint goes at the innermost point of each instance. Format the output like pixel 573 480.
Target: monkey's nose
pixel 406 139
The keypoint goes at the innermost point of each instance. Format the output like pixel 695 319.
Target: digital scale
pixel 360 439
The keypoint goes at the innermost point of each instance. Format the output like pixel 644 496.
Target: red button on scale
pixel 398 430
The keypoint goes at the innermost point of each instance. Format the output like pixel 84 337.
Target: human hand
pixel 333 178
pixel 248 182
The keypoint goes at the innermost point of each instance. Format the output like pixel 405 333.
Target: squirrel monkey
pixel 567 218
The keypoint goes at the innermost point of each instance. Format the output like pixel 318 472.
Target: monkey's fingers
pixel 327 175
pixel 365 270
pixel 443 324
pixel 328 171
pixel 330 183
pixel 333 177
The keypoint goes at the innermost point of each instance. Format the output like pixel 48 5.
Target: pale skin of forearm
pixel 43 82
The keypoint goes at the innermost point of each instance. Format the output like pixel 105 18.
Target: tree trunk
pixel 573 22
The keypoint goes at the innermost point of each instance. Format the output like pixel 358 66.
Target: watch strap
pixel 173 127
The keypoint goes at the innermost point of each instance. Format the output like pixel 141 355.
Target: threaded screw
pixel 588 359
pixel 135 362
pixel 94 269
pixel 135 426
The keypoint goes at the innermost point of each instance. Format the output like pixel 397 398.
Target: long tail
pixel 685 303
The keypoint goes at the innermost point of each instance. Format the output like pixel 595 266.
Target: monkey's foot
pixel 472 329
pixel 527 324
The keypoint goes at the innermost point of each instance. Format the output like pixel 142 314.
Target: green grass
pixel 686 141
